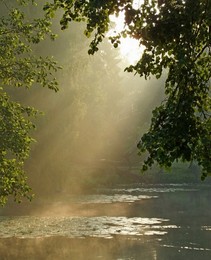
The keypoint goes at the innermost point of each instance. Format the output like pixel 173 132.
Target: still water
pixel 149 222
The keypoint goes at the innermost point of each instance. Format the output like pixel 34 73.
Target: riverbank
pixel 180 173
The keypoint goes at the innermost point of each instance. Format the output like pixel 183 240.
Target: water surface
pixel 126 222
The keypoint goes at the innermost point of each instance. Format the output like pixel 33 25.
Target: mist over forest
pixel 89 130
pixel 92 125
pixel 104 129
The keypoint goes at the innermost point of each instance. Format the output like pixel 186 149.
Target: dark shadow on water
pixel 91 248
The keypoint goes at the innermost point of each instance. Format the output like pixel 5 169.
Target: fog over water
pixel 90 201
pixel 133 221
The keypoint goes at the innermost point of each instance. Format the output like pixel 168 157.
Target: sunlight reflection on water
pixel 187 247
pixel 207 228
pixel 104 226
pixel 154 222
pixel 111 198
pixel 171 188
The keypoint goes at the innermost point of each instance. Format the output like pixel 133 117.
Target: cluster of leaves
pixel 177 39
pixel 19 68
pixel 95 13
pixel 14 142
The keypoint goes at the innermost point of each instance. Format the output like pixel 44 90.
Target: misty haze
pixel 91 199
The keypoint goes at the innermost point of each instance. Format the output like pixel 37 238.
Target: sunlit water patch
pixel 127 195
pixel 156 189
pixel 207 228
pixel 105 227
pixel 189 247
pixel 102 198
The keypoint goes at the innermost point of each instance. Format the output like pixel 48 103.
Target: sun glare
pixel 130 49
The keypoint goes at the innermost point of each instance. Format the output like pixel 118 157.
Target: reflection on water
pixel 158 223
pixel 102 198
pixel 161 188
pixel 192 247
pixel 208 228
pixel 105 227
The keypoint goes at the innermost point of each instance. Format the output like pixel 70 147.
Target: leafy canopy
pixel 176 35
pixel 19 68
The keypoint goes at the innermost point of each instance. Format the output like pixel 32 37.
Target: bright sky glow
pixel 131 50
pixel 137 3
pixel 129 47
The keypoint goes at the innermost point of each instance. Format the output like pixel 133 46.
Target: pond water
pixel 149 222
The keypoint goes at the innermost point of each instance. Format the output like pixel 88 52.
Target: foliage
pixel 19 68
pixel 176 36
